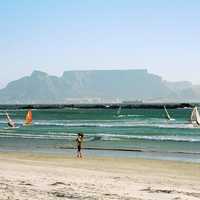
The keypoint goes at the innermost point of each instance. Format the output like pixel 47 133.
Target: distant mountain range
pixel 97 86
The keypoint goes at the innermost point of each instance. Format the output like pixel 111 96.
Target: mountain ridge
pixel 97 85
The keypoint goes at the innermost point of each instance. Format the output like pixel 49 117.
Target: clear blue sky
pixel 53 36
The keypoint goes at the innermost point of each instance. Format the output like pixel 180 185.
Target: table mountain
pixel 40 87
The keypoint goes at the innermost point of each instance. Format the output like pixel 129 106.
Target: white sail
pixel 198 117
pixel 195 117
pixel 167 114
pixel 10 122
pixel 119 110
pixel 8 117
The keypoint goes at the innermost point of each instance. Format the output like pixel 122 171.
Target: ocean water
pixel 132 133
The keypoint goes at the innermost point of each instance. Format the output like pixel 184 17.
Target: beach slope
pixel 52 177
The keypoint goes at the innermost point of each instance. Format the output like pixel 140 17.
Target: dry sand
pixel 51 177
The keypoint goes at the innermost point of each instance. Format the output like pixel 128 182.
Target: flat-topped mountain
pixel 106 85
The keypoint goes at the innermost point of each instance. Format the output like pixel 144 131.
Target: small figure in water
pixel 9 121
pixel 11 124
pixel 79 141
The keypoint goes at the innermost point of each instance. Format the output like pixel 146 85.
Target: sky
pixel 56 36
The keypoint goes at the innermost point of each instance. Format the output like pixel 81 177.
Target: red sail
pixel 29 118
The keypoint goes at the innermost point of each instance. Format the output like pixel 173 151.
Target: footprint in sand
pixel 58 183
pixel 25 183
pixel 58 194
pixel 149 189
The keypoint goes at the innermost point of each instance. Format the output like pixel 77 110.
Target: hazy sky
pixel 57 35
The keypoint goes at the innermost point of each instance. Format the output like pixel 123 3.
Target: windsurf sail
pixel 167 114
pixel 119 110
pixel 11 123
pixel 29 117
pixel 195 117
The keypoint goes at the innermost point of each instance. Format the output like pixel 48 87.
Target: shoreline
pixel 106 105
pixel 63 151
pixel 131 150
pixel 46 176
pixel 44 155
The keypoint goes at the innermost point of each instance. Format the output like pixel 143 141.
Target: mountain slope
pixel 39 87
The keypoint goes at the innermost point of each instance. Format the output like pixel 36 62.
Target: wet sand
pixel 51 177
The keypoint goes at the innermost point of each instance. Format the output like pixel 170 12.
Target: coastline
pixel 192 157
pixel 47 176
pixel 106 105
pixel 132 153
pixel 136 133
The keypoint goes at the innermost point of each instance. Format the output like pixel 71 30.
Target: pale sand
pixel 50 177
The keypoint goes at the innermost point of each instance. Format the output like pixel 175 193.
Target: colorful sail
pixel 29 117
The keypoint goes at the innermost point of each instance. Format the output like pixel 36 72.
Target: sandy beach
pixel 33 176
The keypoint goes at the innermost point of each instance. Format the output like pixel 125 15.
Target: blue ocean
pixel 143 133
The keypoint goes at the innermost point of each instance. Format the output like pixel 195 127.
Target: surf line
pixel 102 149
pixel 130 150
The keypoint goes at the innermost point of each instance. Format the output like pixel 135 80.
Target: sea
pixel 134 132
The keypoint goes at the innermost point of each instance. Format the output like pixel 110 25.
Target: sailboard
pixel 11 123
pixel 167 116
pixel 195 117
pixel 119 110
pixel 28 118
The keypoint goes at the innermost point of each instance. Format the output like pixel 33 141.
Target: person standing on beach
pixel 79 141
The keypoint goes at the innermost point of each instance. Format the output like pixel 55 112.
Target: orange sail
pixel 29 118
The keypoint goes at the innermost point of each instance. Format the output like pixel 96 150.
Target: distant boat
pixel 28 118
pixel 11 123
pixel 167 116
pixel 195 117
pixel 119 110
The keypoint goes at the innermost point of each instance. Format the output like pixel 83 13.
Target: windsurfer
pixel 9 121
pixel 28 117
